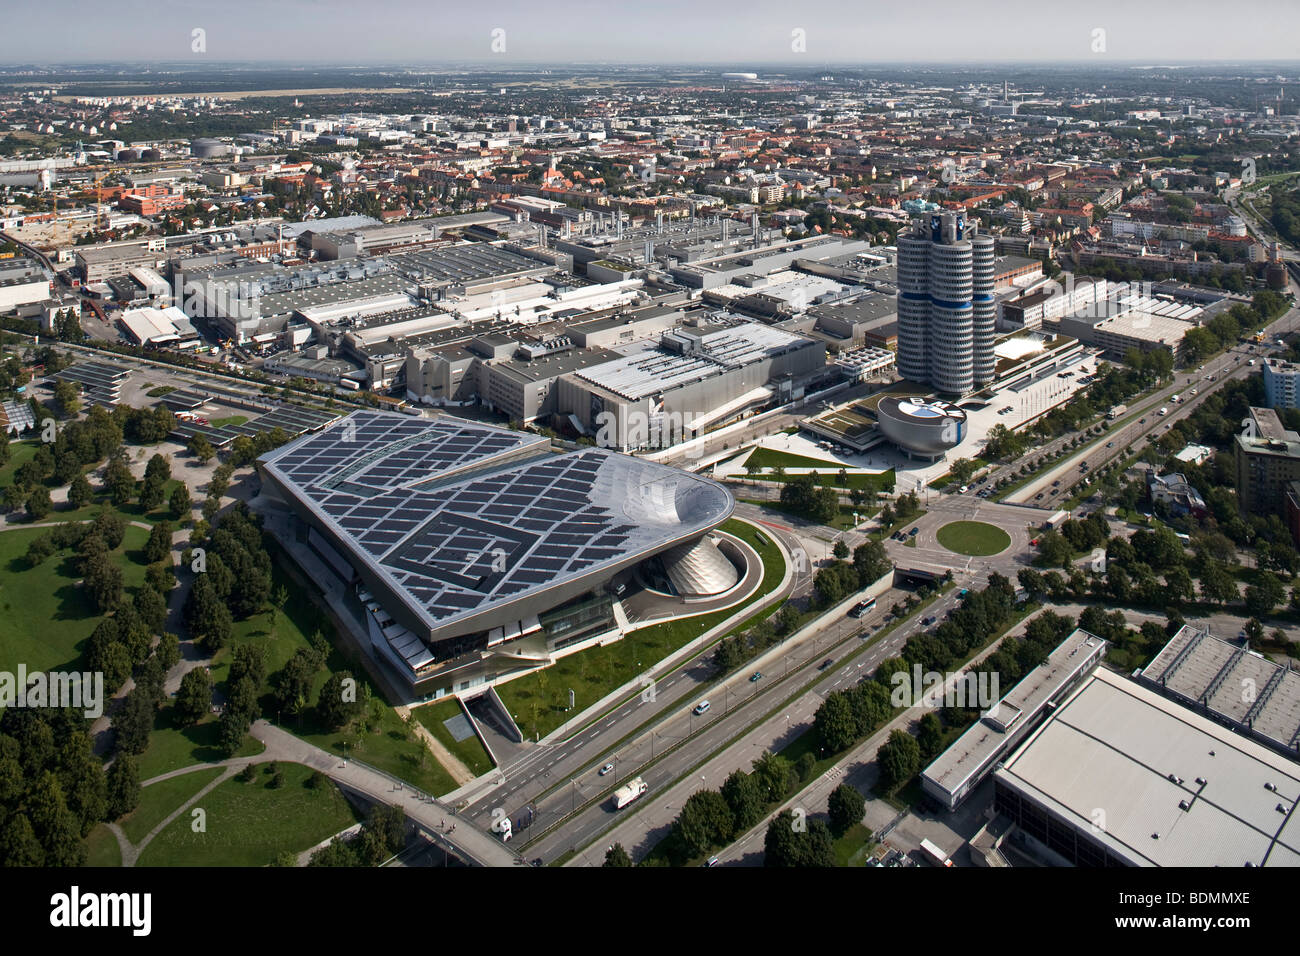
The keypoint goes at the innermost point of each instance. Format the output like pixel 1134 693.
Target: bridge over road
pixel 443 825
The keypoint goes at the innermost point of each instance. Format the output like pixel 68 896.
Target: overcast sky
pixel 756 32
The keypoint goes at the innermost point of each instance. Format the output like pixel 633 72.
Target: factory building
pixel 694 378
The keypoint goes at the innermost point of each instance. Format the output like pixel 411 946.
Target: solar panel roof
pixel 458 516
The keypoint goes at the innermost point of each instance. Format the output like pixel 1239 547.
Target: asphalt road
pixel 731 742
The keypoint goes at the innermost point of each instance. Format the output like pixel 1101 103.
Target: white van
pixel 701 707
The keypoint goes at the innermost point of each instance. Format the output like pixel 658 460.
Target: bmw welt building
pixel 474 552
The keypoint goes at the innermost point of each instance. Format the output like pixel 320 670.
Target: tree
pixel 151 494
pixel 159 468
pixel 705 821
pixel 67 397
pixel 18 843
pixel 134 722
pixel 929 734
pixel 337 705
pixel 1263 596
pixel 846 806
pixel 898 758
pixel 194 698
pixel 961 470
pixel 202 449
pixel 119 483
pixel 80 493
pixel 295 679
pixel 38 503
pixel 774 776
pixel 797 842
pixel 159 545
pixel 123 790
pixel 1218 586
pixel 841 550
pixel 38 549
pixel 103 583
pixel 835 723
pixel 180 503
pixel 744 797
pixel 617 856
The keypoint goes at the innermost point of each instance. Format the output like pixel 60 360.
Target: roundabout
pixel 976 539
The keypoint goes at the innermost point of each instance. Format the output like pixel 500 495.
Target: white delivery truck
pixel 934 854
pixel 629 792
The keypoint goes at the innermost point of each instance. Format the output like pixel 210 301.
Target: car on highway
pixel 927 621
pixel 825 664
pixel 608 768
pixel 701 707
pixel 1110 444
pixel 755 677
pixel 712 861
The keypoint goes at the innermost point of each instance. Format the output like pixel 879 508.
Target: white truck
pixel 629 792
pixel 934 854
pixel 503 828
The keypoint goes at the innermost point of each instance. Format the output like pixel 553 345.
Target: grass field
pixel 229 420
pixel 102 848
pixel 975 538
pixel 20 453
pixel 159 799
pixel 249 824
pixel 470 750
pixel 854 847
pixel 387 743
pixel 172 747
pixel 539 701
pixel 772 458
pixel 45 618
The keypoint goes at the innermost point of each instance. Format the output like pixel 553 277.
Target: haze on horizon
pixel 334 33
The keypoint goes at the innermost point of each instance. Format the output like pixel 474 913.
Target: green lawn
pixel 160 390
pixel 773 458
pixel 854 847
pixel 102 848
pixel 129 512
pixel 470 750
pixel 45 618
pixel 884 481
pixel 229 420
pixel 976 538
pixel 386 745
pixel 20 453
pixel 249 824
pixel 172 747
pixel 539 701
pixel 159 799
